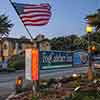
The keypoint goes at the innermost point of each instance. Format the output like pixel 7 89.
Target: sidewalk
pixel 6 71
pixel 8 76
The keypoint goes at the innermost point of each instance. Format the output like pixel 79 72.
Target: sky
pixel 67 17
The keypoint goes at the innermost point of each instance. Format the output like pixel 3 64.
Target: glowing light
pixel 89 29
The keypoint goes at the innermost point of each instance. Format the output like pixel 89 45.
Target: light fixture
pixel 89 29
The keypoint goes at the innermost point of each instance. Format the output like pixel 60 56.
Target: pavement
pixel 7 83
pixel 6 89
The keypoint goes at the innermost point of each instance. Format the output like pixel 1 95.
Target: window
pixel 5 46
pixel 19 46
pixel 47 44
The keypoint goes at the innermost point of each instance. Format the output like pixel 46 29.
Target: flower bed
pixel 62 89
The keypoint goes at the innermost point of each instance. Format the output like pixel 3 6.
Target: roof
pixel 44 40
pixel 22 40
pixel 39 38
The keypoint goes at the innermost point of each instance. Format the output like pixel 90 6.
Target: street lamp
pixel 89 30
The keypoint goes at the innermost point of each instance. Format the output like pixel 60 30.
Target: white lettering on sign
pixel 53 58
pixel 28 64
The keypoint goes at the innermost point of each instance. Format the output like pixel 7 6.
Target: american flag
pixel 34 14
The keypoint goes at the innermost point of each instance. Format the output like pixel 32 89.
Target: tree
pixel 63 43
pixel 94 20
pixel 95 37
pixel 5 25
pixel 71 39
pixel 80 43
pixel 57 43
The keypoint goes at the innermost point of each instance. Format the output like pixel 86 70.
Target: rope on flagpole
pixel 21 20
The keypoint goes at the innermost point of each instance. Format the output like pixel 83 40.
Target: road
pixel 5 89
pixel 7 80
pixel 7 83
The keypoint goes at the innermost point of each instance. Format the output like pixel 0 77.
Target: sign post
pixel 28 64
pixel 35 69
pixel 32 67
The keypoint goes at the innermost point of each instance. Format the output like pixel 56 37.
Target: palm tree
pixel 5 25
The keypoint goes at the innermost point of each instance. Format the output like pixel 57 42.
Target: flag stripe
pixel 37 20
pixel 31 24
pixel 32 10
pixel 36 23
pixel 36 11
pixel 37 7
pixel 32 16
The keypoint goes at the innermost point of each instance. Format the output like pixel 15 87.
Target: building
pixel 42 42
pixel 14 46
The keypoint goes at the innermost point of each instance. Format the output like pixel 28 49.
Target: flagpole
pixel 21 20
pixel 36 83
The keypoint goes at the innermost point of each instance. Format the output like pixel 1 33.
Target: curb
pixel 11 95
pixel 11 71
pixel 19 71
pixel 3 81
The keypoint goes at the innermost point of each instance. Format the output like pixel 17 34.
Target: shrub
pixel 11 65
pixel 17 62
pixel 87 95
pixel 34 98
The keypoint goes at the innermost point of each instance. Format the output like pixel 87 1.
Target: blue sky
pixel 67 17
